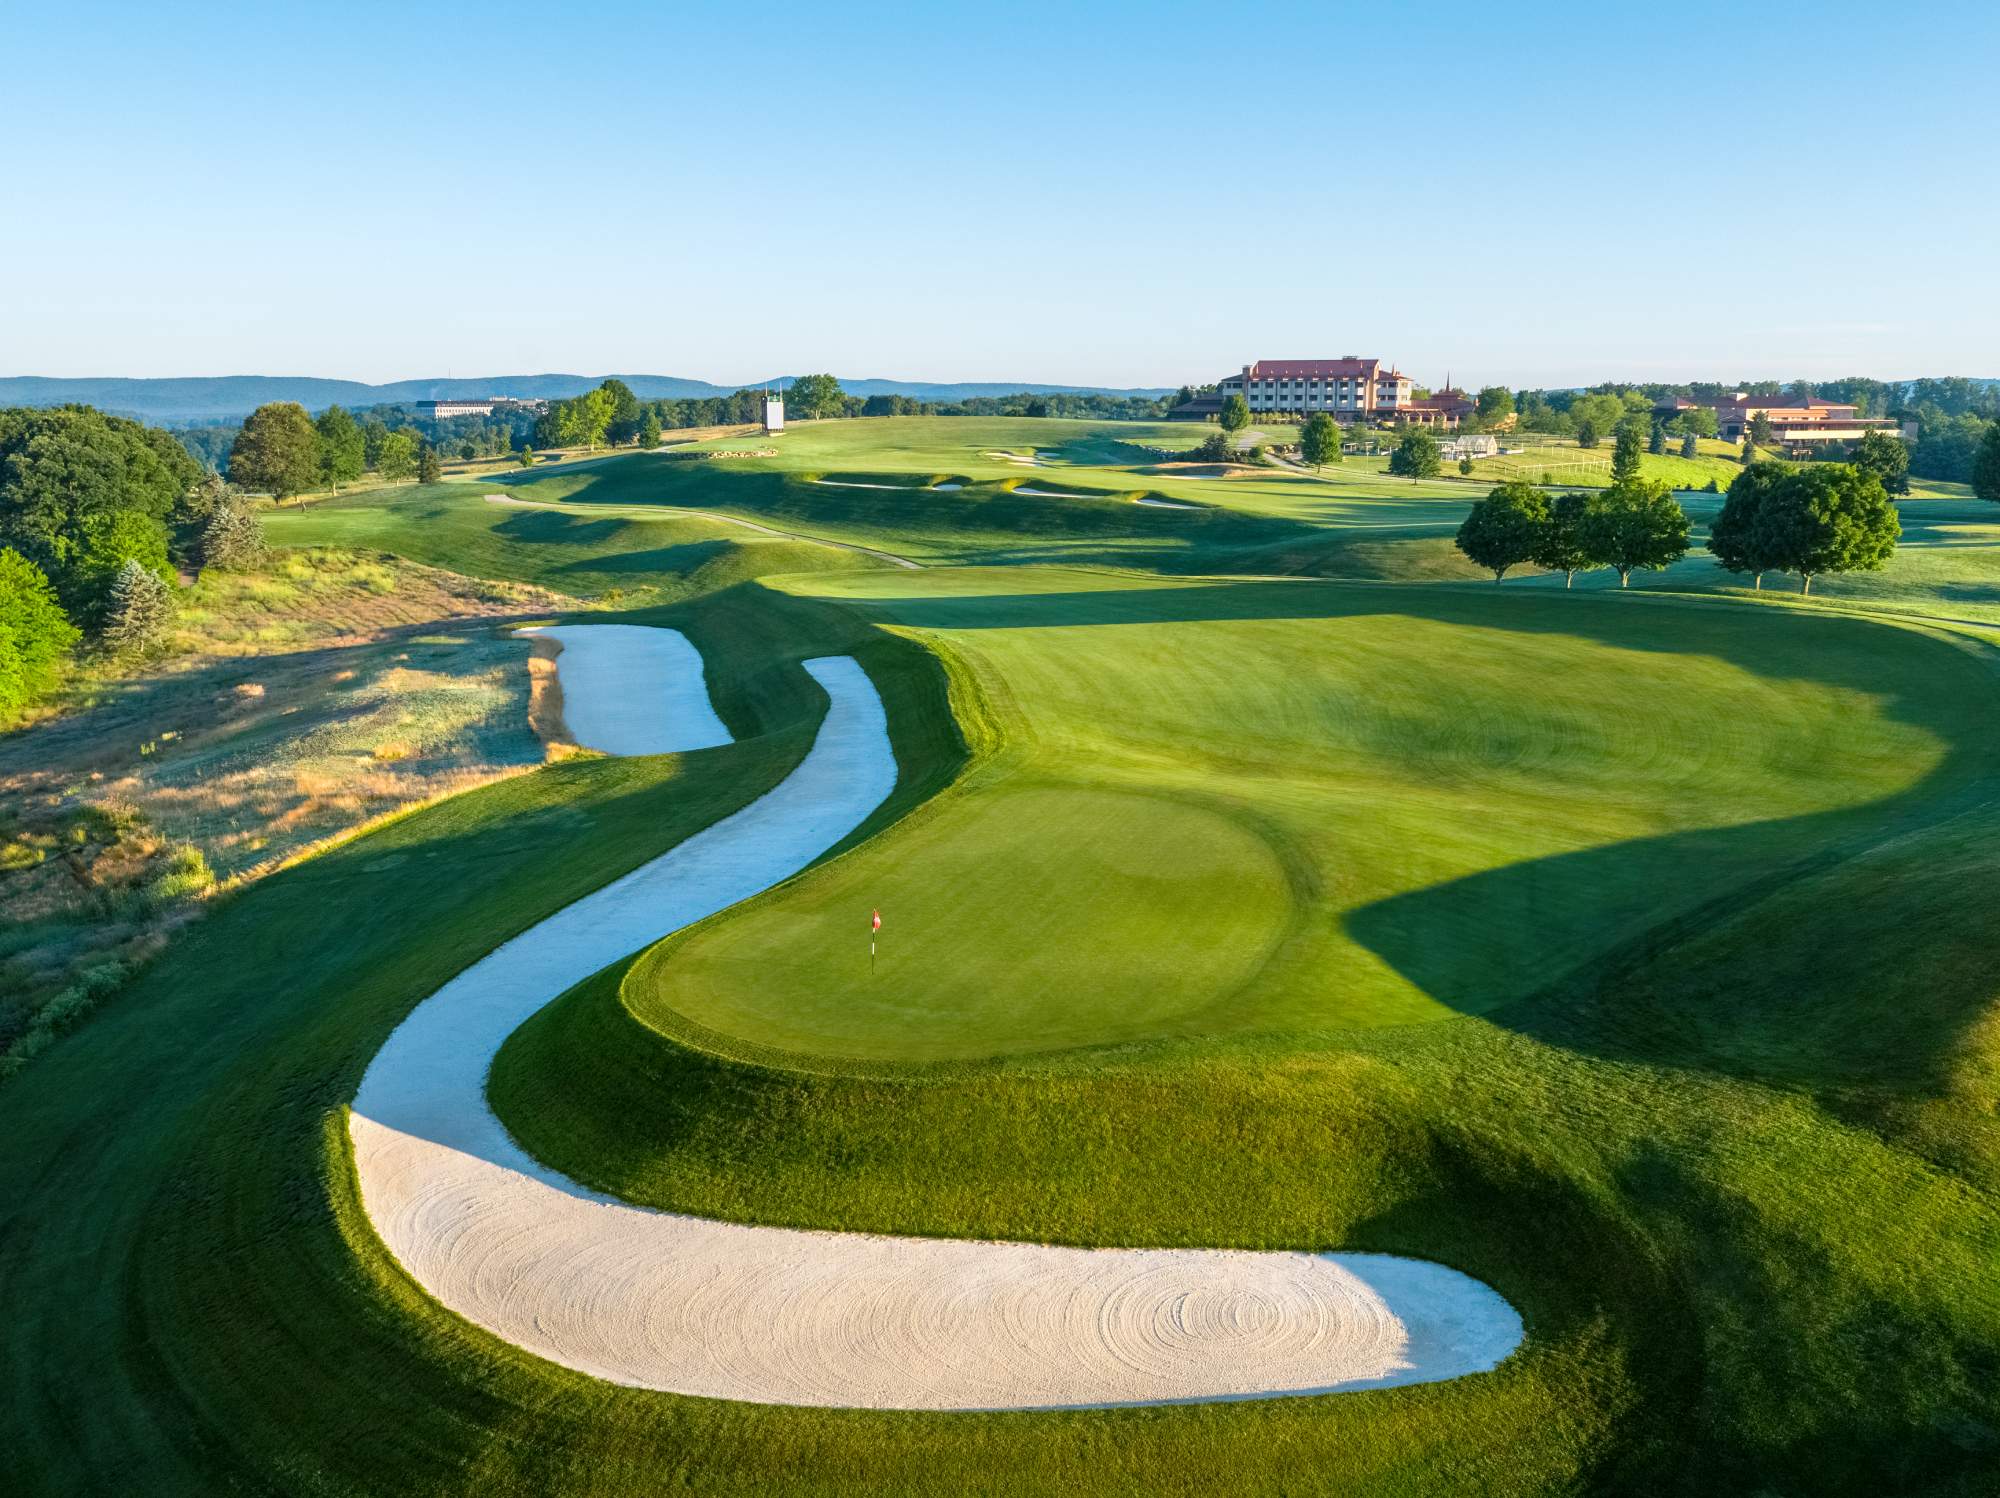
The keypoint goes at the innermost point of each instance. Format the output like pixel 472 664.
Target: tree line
pixel 98 515
pixel 1806 520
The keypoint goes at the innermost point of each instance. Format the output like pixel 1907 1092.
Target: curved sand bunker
pixel 773 1315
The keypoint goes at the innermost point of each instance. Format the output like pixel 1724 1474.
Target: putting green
pixel 1027 882
pixel 1255 806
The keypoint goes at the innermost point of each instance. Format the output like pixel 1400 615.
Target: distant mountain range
pixel 232 397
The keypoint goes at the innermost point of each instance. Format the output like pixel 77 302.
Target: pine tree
pixel 232 537
pixel 140 609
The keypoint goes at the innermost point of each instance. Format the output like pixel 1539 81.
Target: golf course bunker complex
pixel 790 1316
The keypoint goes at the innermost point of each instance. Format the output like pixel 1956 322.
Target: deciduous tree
pixel 1831 517
pixel 1742 537
pixel 1986 464
pixel 343 451
pixel 277 451
pixel 1565 543
pixel 1319 440
pixel 815 397
pixel 398 457
pixel 1494 403
pixel 1506 528
pixel 35 634
pixel 68 475
pixel 1885 456
pixel 623 423
pixel 1586 433
pixel 1235 414
pixel 1416 457
pixel 1638 527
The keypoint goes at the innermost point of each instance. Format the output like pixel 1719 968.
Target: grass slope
pixel 1701 1158
pixel 1210 806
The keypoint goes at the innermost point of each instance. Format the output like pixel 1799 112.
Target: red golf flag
pixel 875 924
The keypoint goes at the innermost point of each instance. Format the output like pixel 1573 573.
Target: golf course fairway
pixel 779 1316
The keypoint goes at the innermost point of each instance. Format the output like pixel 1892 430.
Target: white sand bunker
pixel 629 689
pixel 684 1304
pixel 1163 504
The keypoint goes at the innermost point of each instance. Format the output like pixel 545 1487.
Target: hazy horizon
pixel 1136 196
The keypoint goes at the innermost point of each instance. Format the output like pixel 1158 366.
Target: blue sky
pixel 1125 194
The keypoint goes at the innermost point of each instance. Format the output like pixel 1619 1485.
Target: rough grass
pixel 293 703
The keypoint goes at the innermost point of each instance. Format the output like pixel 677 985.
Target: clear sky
pixel 1122 194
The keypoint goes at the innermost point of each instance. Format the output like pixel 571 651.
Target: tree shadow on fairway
pixel 1716 948
pixel 1818 1365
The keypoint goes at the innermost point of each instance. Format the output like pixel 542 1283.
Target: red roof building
pixel 1349 388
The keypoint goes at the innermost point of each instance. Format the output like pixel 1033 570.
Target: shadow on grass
pixel 1789 909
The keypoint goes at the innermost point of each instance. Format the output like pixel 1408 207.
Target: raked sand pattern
pixel 783 1316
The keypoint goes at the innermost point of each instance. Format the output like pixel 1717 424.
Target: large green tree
pixel 815 397
pixel 1416 457
pixel 1494 403
pixel 1831 517
pixel 277 451
pixel 343 450
pixel 1565 544
pixel 1986 464
pixel 1319 440
pixel 1235 413
pixel 1885 456
pixel 35 634
pixel 1696 421
pixel 77 485
pixel 649 430
pixel 398 457
pixel 1743 536
pixel 1586 433
pixel 1506 528
pixel 623 424
pixel 1638 527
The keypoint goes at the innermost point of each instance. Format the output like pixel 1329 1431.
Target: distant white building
pixel 774 413
pixel 440 410
pixel 1471 445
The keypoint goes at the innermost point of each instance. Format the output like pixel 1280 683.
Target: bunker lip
pixel 689 1305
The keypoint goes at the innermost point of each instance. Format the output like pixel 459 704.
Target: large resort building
pixel 1349 389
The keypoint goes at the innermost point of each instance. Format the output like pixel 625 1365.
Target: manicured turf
pixel 1212 807
pixel 1629 952
pixel 1743 1193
